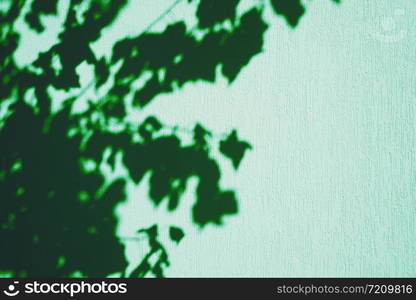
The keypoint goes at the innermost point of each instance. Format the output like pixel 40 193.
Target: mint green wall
pixel 329 188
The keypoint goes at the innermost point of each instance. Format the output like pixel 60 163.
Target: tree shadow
pixel 56 209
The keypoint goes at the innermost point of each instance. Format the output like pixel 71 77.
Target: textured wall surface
pixel 329 188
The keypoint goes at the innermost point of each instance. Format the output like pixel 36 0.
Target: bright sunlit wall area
pixel 329 108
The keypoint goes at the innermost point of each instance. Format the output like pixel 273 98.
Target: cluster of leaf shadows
pixel 56 207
